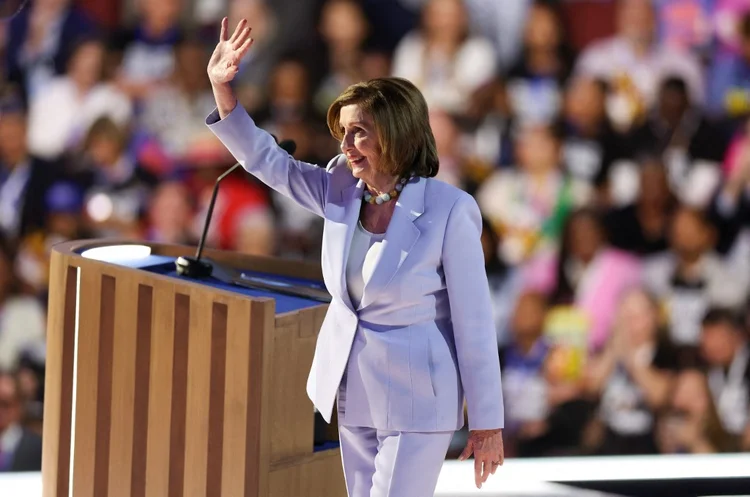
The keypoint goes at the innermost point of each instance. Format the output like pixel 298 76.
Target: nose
pixel 346 143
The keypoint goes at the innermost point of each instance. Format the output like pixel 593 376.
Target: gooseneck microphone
pixel 195 267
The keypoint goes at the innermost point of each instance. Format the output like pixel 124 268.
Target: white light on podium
pixel 112 253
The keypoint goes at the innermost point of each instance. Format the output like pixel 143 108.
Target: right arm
pixel 256 150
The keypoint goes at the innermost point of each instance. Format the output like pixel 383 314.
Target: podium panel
pixel 159 385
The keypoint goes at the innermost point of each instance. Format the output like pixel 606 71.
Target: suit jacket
pixel 425 314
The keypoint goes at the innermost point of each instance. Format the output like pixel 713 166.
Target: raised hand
pixel 225 61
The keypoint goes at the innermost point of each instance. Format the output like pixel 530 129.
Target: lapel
pixel 341 219
pixel 400 237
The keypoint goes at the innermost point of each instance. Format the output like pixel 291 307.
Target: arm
pixel 256 150
pixel 471 314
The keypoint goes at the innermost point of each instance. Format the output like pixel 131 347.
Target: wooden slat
pixel 177 443
pixel 141 398
pixel 104 385
pixel 87 375
pixel 123 387
pixel 160 391
pixel 235 400
pixel 259 398
pixel 215 450
pixel 58 386
pixel 198 393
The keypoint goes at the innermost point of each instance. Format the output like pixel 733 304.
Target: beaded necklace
pixel 385 197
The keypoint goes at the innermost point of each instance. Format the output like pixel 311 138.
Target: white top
pixel 363 254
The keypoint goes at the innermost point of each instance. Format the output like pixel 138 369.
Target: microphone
pixel 195 267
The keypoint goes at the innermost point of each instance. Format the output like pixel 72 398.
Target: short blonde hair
pixel 401 119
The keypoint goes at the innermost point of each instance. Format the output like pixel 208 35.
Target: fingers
pixel 223 34
pixel 242 38
pixel 238 30
pixel 478 472
pixel 467 451
pixel 245 47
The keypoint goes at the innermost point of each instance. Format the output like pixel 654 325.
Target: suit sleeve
pixel 471 314
pixel 257 151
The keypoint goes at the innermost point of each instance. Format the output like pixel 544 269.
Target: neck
pixel 526 343
pixel 384 186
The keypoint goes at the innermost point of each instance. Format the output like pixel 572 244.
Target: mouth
pixel 355 160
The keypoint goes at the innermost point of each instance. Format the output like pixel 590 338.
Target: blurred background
pixel 607 143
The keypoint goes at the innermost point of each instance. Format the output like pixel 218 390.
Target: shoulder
pixel 449 199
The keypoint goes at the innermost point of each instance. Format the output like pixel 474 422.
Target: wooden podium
pixel 161 386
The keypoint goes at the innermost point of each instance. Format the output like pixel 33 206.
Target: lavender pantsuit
pixel 425 337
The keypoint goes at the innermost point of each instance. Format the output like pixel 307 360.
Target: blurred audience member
pixel 729 77
pixel 170 215
pixel 587 274
pixel 22 319
pixel 40 42
pixel 536 80
pixel 117 187
pixel 590 143
pixel 726 352
pixel 175 112
pixel 528 205
pixel 487 126
pixel 76 100
pixel 691 278
pixel 24 179
pixel 450 153
pixel 642 227
pixel 522 362
pixel 255 69
pixel 690 147
pixel 633 64
pixel 146 51
pixel 289 95
pixel 502 23
pixel 444 60
pixel 20 448
pixel 64 203
pixel 633 375
pixel 686 25
pixel 690 423
pixel 344 29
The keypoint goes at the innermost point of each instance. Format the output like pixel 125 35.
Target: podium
pixel 159 385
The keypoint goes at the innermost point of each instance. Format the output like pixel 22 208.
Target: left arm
pixel 471 314
pixel 474 335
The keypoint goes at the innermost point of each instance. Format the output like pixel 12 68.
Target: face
pixel 10 406
pixel 360 143
pixel 445 19
pixel 718 344
pixel 289 83
pixel 672 105
pixel 12 138
pixel 162 14
pixel 585 102
pixel 343 24
pixel 542 30
pixel 638 318
pixel 689 236
pixel 654 184
pixel 585 238
pixel 446 133
pixel 528 319
pixel 538 150
pixel 104 151
pixel 636 20
pixel 87 63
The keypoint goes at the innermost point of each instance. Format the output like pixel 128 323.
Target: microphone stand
pixel 194 267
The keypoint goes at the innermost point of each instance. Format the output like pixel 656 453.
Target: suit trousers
pixel 381 463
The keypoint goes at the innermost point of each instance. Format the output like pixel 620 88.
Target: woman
pixel 586 274
pixel 411 311
pixel 633 377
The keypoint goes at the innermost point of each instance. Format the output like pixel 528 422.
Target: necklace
pixel 385 197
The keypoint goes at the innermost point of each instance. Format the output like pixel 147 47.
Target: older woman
pixel 410 330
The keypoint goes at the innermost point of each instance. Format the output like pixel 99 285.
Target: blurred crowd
pixel 607 143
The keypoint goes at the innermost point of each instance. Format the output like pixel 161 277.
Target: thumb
pixel 467 451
